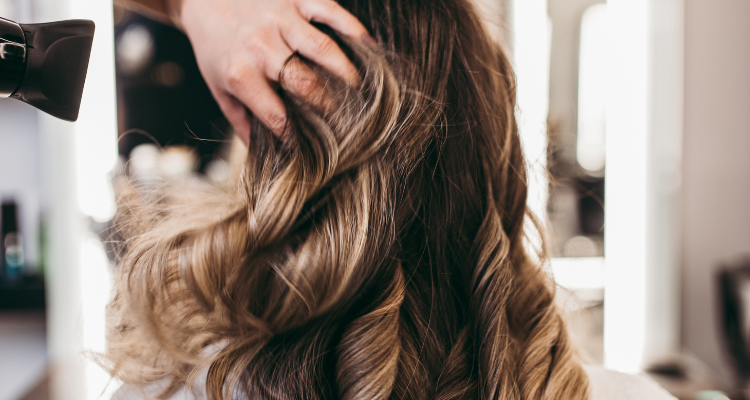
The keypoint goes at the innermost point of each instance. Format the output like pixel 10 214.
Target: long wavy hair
pixel 378 252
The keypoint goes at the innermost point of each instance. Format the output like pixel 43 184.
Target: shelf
pixel 25 294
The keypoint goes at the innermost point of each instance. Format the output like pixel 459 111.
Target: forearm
pixel 164 10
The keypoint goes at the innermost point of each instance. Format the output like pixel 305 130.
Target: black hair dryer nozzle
pixel 45 64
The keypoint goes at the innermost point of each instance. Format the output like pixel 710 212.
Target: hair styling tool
pixel 45 64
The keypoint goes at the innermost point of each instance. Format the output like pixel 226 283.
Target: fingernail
pixel 369 41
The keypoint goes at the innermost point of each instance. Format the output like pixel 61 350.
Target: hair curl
pixel 376 253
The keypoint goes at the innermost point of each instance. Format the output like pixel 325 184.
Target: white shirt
pixel 605 385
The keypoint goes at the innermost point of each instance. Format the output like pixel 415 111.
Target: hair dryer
pixel 45 64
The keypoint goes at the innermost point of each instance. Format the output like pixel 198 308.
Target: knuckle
pixel 236 73
pixel 270 20
pixel 321 43
pixel 255 41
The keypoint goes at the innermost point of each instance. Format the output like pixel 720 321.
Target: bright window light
pixel 625 208
pixel 96 155
pixel 78 158
pixel 531 52
pixel 96 281
pixel 96 129
pixel 592 84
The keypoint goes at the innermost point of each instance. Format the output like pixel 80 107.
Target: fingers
pixel 250 74
pixel 299 80
pixel 258 95
pixel 330 13
pixel 236 114
pixel 322 50
pixel 252 88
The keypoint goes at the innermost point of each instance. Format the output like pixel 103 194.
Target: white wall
pixel 716 169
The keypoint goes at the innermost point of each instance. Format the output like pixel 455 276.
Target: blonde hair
pixel 377 252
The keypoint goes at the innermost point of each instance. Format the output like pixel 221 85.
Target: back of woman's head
pixel 377 252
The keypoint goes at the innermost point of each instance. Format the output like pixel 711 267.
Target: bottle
pixel 12 242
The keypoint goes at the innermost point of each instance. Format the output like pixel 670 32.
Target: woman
pixel 378 251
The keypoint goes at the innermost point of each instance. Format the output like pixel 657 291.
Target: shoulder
pixel 611 385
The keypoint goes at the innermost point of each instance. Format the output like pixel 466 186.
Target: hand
pixel 242 45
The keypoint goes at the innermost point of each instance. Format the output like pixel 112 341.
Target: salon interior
pixel 635 121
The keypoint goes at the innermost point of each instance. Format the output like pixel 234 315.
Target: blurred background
pixel 635 120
